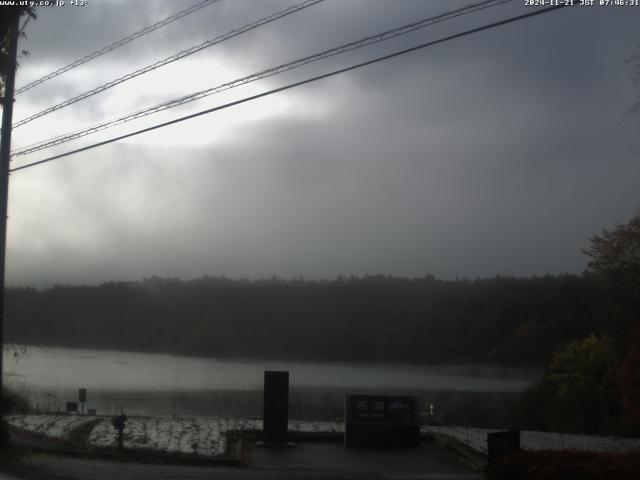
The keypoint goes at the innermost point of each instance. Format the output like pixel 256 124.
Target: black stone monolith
pixel 275 407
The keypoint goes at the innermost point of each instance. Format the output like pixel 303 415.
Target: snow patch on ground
pixel 197 436
pixel 201 436
pixel 314 427
pixel 52 426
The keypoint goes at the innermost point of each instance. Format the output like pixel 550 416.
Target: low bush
pixel 566 465
pixel 12 402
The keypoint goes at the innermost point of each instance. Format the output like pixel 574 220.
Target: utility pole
pixel 5 150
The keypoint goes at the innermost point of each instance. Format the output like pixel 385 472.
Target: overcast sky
pixel 498 153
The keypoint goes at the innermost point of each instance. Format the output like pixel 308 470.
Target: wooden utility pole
pixel 5 151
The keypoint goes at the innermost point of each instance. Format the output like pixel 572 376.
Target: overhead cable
pixel 373 39
pixel 295 84
pixel 114 45
pixel 172 58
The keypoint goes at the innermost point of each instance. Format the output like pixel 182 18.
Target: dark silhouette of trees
pixel 375 318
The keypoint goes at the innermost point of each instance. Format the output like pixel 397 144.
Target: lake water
pixel 160 384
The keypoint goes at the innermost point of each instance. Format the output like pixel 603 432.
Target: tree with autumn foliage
pixel 615 257
pixel 578 392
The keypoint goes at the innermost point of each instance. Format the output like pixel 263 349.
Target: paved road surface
pixel 319 461
pixel 7 477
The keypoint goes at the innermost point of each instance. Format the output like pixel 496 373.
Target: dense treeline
pixel 376 318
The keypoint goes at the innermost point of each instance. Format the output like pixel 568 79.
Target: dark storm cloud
pixel 497 153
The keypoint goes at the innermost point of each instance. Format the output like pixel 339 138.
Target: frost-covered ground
pixel 197 436
pixel 52 426
pixel 476 438
pixel 207 437
pixel 194 436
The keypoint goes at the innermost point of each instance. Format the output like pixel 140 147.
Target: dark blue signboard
pixel 382 420
pixel 383 409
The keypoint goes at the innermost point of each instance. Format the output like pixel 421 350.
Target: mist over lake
pixel 161 384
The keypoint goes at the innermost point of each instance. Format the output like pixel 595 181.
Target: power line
pixel 172 58
pixel 260 75
pixel 373 39
pixel 296 84
pixel 114 45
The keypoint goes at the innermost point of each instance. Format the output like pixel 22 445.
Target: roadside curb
pixel 469 456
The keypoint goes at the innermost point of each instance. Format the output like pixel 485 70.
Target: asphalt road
pixel 320 461
pixel 7 477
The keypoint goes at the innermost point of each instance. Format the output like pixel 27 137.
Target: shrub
pixel 12 402
pixel 579 392
pixel 566 465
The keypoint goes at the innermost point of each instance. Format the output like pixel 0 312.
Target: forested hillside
pixel 376 318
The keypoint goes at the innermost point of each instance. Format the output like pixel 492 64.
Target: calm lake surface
pixel 160 384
